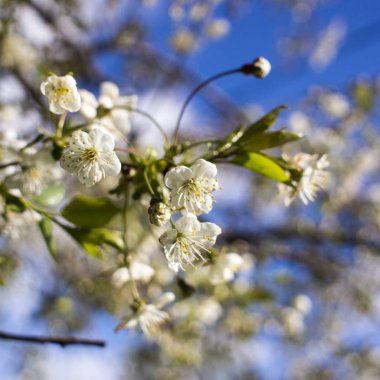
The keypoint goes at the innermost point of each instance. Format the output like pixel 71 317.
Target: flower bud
pixel 259 68
pixel 159 212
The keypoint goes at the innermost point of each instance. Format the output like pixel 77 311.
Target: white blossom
pixel 218 28
pixel 183 41
pixel 293 321
pixel 334 104
pixel 191 188
pixel 149 317
pixel 89 105
pixel 314 178
pixel 91 156
pixel 209 311
pixel 38 172
pixel 224 267
pixel 140 272
pixel 62 94
pixel 185 243
pixel 302 303
pixel 111 110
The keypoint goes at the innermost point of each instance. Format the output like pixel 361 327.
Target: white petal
pixel 46 87
pixel 71 102
pixel 109 92
pixel 110 164
pixel 56 108
pixel 204 169
pixel 188 224
pixel 205 206
pixel 127 101
pixel 177 176
pixel 102 140
pixel 234 261
pixel 210 229
pixel 121 120
pixel 168 237
pixel 164 300
pixel 177 200
pixel 141 271
pixel 66 81
pixel 89 104
pixel 208 233
pixel 120 277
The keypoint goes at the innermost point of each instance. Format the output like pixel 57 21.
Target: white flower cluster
pixel 190 194
pixel 91 155
pixel 148 316
pixel 62 94
pixel 111 110
pixel 314 178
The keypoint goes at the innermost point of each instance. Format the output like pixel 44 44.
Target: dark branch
pixel 62 341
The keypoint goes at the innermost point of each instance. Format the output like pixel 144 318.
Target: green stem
pixel 37 139
pixel 60 125
pixel 126 254
pixel 148 182
pixel 154 122
pixel 194 92
pixel 7 165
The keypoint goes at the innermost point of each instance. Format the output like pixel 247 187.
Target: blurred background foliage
pixel 307 304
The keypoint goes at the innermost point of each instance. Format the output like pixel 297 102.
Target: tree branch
pixel 62 341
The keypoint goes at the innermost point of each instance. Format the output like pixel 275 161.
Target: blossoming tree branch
pixel 165 192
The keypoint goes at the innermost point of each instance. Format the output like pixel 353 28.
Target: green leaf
pixel 262 124
pixel 263 165
pixel 51 196
pixel 91 240
pixel 89 212
pixel 228 143
pixel 261 295
pixel 269 140
pixel 46 228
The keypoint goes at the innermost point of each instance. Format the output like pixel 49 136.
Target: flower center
pixel 194 193
pixel 90 154
pixel 60 92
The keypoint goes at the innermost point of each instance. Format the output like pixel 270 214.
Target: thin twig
pixel 8 164
pixel 194 92
pixel 62 341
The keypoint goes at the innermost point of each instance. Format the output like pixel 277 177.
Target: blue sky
pixel 257 32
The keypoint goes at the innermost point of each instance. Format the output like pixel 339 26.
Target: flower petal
pixel 188 224
pixel 177 176
pixel 168 237
pixel 102 140
pixel 203 169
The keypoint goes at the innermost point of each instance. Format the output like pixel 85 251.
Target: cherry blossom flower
pixel 191 187
pixel 91 156
pixel 224 267
pixel 111 110
pixel 140 272
pixel 62 94
pixel 149 317
pixel 38 172
pixel 314 178
pixel 185 243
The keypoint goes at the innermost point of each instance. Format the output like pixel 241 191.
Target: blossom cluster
pixel 90 155
pixel 180 193
pixel 191 191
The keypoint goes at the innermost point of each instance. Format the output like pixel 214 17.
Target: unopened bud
pixel 159 212
pixel 259 68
